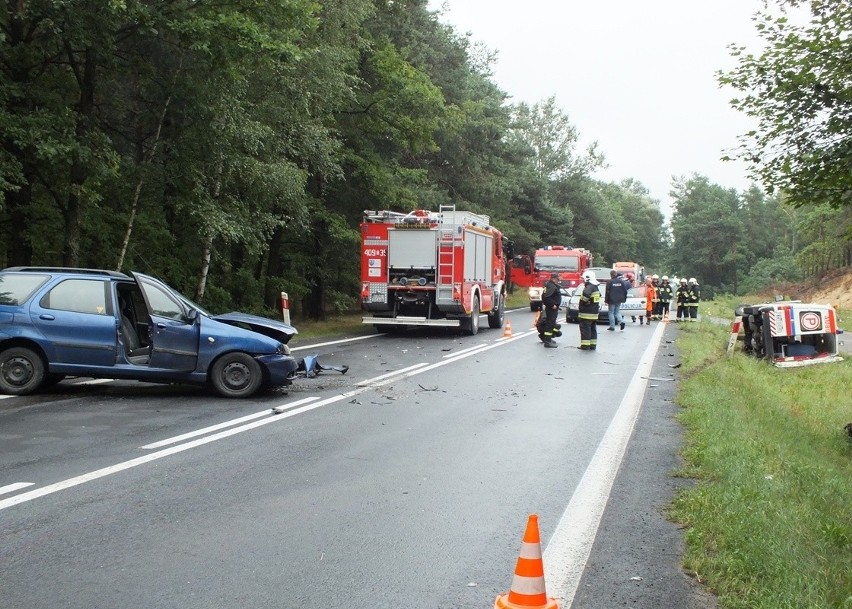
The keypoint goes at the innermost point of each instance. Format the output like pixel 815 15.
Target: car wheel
pixel 236 375
pixel 21 371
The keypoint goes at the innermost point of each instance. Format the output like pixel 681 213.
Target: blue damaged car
pixel 58 322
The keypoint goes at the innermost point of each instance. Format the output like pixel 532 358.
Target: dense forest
pixel 231 148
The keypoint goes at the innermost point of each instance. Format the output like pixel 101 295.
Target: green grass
pixel 769 520
pixel 343 325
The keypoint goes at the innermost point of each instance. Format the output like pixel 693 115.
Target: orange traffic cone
pixel 528 590
pixel 507 329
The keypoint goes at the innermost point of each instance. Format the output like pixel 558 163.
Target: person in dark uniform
pixel 664 295
pixel 550 301
pixel 694 297
pixel 590 305
pixel 616 295
pixel 682 297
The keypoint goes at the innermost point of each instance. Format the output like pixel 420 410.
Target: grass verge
pixel 769 521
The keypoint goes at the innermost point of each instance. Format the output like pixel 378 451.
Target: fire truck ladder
pixel 446 254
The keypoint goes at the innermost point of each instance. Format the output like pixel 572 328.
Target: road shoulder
pixel 636 557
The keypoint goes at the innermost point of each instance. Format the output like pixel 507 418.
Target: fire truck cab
pixel 426 268
pixel 790 333
pixel 567 261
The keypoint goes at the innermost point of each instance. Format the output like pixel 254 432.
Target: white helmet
pixel 692 281
pixel 590 277
pixel 665 277
pixel 655 276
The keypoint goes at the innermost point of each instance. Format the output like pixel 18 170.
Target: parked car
pixel 58 322
pixel 634 307
pixel 601 273
pixel 572 310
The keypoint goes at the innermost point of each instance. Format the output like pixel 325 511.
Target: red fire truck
pixel 568 261
pixel 634 269
pixel 429 268
pixel 521 273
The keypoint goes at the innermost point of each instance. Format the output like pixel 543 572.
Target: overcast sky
pixel 637 77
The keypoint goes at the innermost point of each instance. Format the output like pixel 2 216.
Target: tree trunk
pixel 79 169
pixel 208 240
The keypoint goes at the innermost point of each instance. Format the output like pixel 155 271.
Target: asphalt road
pixel 405 483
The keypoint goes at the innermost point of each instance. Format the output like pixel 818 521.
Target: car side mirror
pixel 192 315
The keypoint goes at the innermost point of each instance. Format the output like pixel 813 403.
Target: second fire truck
pixel 426 268
pixel 568 261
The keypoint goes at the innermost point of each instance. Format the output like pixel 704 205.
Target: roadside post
pixel 285 307
pixel 735 332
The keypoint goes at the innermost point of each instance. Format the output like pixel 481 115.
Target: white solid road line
pixel 571 544
pixel 11 488
pixel 231 423
pixel 119 467
pixel 333 342
pixel 368 382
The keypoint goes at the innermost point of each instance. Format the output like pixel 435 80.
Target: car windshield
pixel 16 288
pixel 191 304
pixel 601 274
pixel 636 292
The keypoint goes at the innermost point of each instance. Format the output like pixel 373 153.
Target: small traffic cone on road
pixel 507 329
pixel 528 588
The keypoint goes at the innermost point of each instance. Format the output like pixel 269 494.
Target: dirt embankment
pixel 834 288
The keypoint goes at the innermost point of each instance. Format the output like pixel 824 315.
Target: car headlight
pixel 283 349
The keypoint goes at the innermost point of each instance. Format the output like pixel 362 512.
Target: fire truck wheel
pixel 495 317
pixel 471 324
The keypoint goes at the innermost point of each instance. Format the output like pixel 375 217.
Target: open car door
pixel 174 328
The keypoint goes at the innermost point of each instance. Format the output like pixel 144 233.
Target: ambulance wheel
pixel 495 317
pixel 471 324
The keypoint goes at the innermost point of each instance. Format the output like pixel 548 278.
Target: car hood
pixel 262 325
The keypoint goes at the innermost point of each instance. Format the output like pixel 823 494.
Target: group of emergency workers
pixel 659 294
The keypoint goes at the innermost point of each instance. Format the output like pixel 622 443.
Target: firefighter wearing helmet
pixel 589 307
pixel 682 297
pixel 656 309
pixel 665 293
pixel 694 298
pixel 551 298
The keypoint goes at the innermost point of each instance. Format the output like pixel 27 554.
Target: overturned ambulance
pixel 790 333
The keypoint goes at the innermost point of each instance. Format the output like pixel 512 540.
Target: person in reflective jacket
pixel 664 294
pixel 693 298
pixel 550 301
pixel 590 305
pixel 682 297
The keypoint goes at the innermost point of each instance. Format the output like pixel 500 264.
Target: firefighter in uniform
pixel 550 301
pixel 655 310
pixel 682 297
pixel 664 295
pixel 590 305
pixel 693 300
